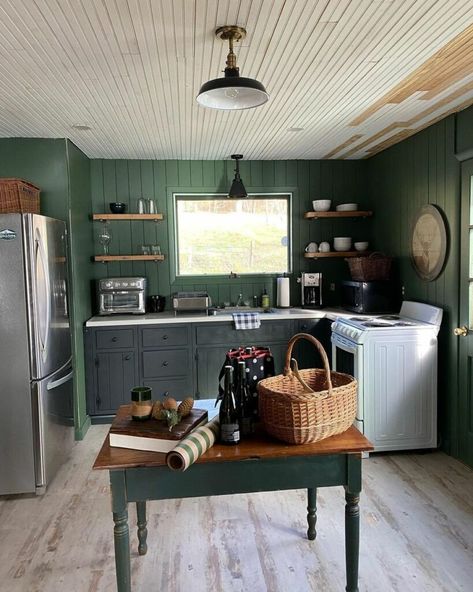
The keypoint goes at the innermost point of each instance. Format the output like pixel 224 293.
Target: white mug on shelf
pixel 311 248
pixel 324 247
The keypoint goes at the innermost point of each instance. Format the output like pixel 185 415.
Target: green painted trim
pixel 291 191
pixel 81 431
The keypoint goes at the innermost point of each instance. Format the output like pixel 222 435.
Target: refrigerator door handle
pixel 38 435
pixel 55 383
pixel 41 260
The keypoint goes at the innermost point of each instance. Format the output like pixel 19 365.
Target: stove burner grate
pixel 376 324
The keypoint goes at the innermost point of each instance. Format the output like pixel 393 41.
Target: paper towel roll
pixel 283 293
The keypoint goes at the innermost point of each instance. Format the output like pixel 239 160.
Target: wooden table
pixel 257 464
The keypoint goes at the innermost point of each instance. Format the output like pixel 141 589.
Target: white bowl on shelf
pixel 361 246
pixel 342 243
pixel 321 205
pixel 348 207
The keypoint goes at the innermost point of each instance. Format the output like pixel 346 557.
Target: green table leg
pixel 121 531
pixel 142 530
pixel 352 539
pixel 311 513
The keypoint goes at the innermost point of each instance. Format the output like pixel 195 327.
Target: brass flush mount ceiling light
pixel 232 91
pixel 237 190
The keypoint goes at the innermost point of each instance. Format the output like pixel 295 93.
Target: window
pixel 217 236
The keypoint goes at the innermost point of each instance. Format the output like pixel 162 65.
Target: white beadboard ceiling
pixel 130 69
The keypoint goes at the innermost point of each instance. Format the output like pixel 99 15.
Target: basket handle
pixel 287 363
pixel 295 371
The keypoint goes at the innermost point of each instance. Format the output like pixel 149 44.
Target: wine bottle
pixel 228 415
pixel 244 402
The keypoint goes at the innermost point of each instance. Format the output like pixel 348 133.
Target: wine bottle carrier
pixel 302 406
pixel 259 362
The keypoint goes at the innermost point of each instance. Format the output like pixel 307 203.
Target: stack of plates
pixel 348 207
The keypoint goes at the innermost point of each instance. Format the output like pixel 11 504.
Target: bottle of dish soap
pixel 265 300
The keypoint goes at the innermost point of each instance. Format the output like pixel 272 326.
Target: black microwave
pixel 371 297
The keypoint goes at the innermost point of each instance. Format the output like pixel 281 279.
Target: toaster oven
pixel 121 295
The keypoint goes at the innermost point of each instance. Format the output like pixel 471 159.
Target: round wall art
pixel 428 246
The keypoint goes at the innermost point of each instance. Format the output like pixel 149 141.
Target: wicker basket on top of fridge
pixel 18 197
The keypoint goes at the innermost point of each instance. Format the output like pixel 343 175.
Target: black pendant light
pixel 237 190
pixel 233 91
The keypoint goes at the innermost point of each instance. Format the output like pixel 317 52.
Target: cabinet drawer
pixel 173 362
pixel 111 338
pixel 163 336
pixel 213 333
pixel 178 388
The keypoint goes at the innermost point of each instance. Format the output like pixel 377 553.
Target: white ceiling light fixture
pixel 83 127
pixel 232 91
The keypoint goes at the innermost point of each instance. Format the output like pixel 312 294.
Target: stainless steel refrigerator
pixel 36 408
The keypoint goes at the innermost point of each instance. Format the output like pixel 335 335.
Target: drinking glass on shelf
pixel 155 250
pixel 145 249
pixel 151 206
pixel 142 206
pixel 105 236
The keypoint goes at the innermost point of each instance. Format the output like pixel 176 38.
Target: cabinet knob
pixel 128 357
pixel 461 331
pixel 165 337
pixel 115 339
pixel 165 363
pixel 166 394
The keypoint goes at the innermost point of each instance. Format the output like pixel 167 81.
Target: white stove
pixel 394 359
pixel 412 316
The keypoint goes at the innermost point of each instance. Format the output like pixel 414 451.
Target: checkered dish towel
pixel 246 320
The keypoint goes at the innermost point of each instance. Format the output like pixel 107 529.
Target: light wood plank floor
pixel 416 535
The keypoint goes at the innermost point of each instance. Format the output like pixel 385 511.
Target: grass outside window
pixel 216 235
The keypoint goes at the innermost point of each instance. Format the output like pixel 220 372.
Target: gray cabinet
pixel 111 368
pixel 167 361
pixel 178 360
pixel 305 353
pixel 215 339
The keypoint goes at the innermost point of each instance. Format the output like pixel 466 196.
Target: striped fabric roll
pixel 193 446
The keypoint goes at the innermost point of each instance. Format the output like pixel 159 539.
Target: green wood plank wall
pixel 128 180
pixel 62 172
pixel 423 170
pixel 80 269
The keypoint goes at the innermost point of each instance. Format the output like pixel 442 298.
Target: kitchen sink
pixel 281 311
pixel 231 309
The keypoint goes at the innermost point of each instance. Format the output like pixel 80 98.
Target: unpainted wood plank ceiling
pixel 347 78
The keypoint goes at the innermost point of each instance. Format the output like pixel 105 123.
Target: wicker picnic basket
pixel 18 197
pixel 301 406
pixel 375 267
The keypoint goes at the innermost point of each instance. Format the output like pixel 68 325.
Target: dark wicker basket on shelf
pixel 375 267
pixel 18 197
pixel 302 406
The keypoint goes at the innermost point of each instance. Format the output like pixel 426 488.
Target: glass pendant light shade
pixel 232 91
pixel 237 190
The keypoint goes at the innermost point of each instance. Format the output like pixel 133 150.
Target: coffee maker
pixel 311 286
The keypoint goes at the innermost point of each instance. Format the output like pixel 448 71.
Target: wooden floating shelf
pixel 102 217
pixel 352 214
pixel 110 258
pixel 336 254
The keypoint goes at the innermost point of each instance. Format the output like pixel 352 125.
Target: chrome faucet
pixel 233 275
